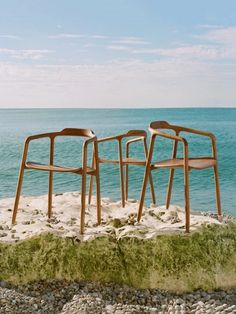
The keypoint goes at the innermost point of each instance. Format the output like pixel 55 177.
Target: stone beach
pixel 93 298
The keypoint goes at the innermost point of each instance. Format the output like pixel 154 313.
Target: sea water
pixel 17 124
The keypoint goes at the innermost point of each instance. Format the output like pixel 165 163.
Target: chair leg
pixel 96 161
pixel 83 195
pixel 121 175
pixel 90 190
pixel 145 179
pixel 18 192
pixel 98 199
pixel 50 188
pixel 91 183
pixel 169 189
pixel 126 182
pixel 217 188
pixel 152 189
pixel 171 175
pixel 150 175
pixel 187 202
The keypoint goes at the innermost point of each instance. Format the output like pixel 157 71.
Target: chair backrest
pixel 77 132
pixel 163 125
pixel 136 133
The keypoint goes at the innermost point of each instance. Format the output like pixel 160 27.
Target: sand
pixel 116 221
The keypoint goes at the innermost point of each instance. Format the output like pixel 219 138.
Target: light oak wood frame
pixel 139 135
pixel 83 171
pixel 186 163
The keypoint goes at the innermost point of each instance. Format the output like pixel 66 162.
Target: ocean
pixel 17 124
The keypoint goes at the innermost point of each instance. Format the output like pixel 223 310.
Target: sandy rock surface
pixel 116 221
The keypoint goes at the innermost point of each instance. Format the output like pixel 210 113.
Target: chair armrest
pixel 198 132
pixel 134 140
pixel 38 136
pixel 109 138
pixel 169 136
pixel 90 140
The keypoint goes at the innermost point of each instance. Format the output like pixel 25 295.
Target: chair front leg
pixel 19 183
pixel 186 190
pixel 18 192
pixel 50 179
pixel 50 189
pixel 217 188
pixel 96 161
pixel 146 176
pixel 83 196
pixel 83 189
pixel 127 175
pixel 121 173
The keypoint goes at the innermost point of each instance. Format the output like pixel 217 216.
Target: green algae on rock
pixel 204 259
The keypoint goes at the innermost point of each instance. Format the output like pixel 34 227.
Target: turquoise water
pixel 15 125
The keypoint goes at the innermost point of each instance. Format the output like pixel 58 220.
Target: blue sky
pixel 123 53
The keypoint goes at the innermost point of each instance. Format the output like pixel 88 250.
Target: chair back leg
pixel 126 182
pixel 171 175
pixel 91 180
pixel 90 190
pixel 169 189
pixel 150 175
pixel 186 195
pixel 152 189
pixel 146 176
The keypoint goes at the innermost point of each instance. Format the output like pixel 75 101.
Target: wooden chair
pixel 83 171
pixel 139 135
pixel 185 163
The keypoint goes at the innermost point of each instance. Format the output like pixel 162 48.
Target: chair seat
pixel 54 168
pixel 127 161
pixel 194 163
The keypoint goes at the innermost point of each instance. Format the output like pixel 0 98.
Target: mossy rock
pixel 179 262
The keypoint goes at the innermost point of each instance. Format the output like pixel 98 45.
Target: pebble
pixel 87 297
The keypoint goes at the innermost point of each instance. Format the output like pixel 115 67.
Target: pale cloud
pixel 99 37
pixel 31 54
pixel 182 76
pixel 76 36
pixel 220 44
pixel 67 35
pixel 194 51
pixel 119 48
pixel 130 41
pixel 10 37
pixel 224 36
pixel 133 83
pixel 210 26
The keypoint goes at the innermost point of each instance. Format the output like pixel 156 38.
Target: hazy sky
pixel 117 53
